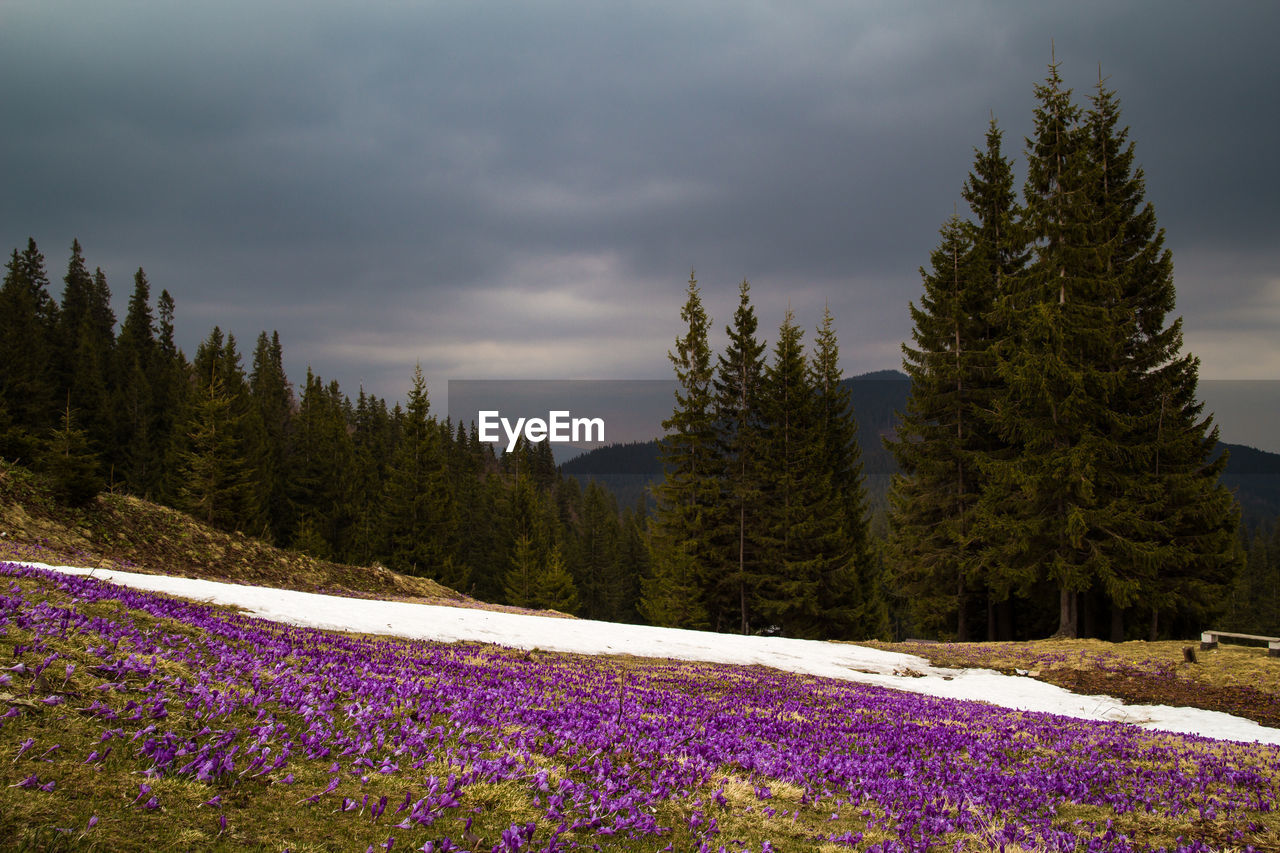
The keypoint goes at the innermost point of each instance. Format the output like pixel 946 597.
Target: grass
pixel 1239 680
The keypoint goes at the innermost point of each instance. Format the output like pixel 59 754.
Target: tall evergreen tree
pixel 270 416
pixel 138 368
pixel 633 560
pixel 82 345
pixel 729 580
pixel 688 493
pixel 932 500
pixel 214 487
pixel 946 439
pixel 553 587
pixel 851 590
pixel 72 464
pixel 90 359
pixel 319 465
pixel 530 541
pixel 421 513
pixel 373 441
pixel 998 256
pixel 800 542
pixel 487 542
pixel 1170 526
pixel 28 323
pixel 171 389
pixel 598 580
pixel 73 311
pixel 214 428
pixel 1059 368
pixel 519 585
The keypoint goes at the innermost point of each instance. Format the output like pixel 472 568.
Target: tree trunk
pixel 1004 620
pixel 1066 614
pixel 1155 624
pixel 742 563
pixel 1117 623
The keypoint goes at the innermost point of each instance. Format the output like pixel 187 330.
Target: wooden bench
pixel 1209 640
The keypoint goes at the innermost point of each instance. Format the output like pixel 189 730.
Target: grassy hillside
pixel 131 721
pixel 119 531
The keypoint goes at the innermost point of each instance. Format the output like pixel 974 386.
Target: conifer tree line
pixel 1253 601
pixel 241 449
pixel 760 524
pixel 1056 463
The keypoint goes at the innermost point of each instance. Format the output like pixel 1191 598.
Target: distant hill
pixel 631 470
pixel 1254 475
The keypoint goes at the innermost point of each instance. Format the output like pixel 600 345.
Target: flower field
pixel 133 721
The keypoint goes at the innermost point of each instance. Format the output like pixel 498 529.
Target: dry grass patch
pixel 1239 680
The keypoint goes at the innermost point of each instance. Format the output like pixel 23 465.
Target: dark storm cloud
pixel 502 189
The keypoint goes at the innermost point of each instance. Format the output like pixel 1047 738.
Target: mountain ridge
pixel 631 469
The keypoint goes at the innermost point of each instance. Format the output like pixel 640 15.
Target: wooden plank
pixel 1209 640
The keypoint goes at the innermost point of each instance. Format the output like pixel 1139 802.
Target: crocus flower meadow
pixel 131 720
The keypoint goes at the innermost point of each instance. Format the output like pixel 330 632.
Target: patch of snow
pixel 582 636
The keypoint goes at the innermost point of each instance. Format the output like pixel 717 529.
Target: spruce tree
pixel 998 256
pixel 91 361
pixel 421 514
pixel 1058 366
pixel 529 541
pixel 478 492
pixel 1171 524
pixel 83 341
pixel 633 560
pixel 319 463
pixel 932 498
pixel 217 412
pixel 669 591
pixel 731 576
pixel 170 390
pixel 946 440
pixel 600 578
pixel 28 324
pixel 488 542
pixel 138 369
pixel 801 541
pixel 680 533
pixel 851 590
pixel 72 312
pixel 214 486
pixel 373 441
pixel 519 585
pixel 553 587
pixel 72 465
pixel 271 417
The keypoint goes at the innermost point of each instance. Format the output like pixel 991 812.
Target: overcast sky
pixel 520 189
